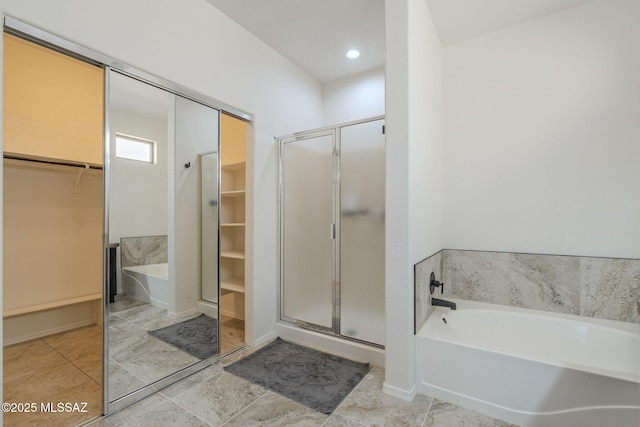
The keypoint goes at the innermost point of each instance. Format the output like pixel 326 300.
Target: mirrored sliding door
pixel 163 223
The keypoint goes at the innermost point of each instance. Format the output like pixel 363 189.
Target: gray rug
pixel 316 379
pixel 197 336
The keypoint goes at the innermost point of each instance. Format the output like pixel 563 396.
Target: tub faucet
pixel 442 303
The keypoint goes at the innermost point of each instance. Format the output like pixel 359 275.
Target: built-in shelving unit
pixel 232 238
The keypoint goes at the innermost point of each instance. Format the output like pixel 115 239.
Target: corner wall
pixel 414 169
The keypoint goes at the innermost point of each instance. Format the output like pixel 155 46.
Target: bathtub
pixel 148 283
pixel 531 368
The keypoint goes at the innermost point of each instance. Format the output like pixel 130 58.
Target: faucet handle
pixel 433 284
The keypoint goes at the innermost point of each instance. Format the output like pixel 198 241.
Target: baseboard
pixel 400 393
pixel 190 312
pixel 265 338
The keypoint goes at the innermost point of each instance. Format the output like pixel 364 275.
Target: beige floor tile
pixel 124 416
pixel 192 380
pixel 231 334
pixel 370 406
pixel 166 414
pixel 157 364
pixel 140 312
pixel 336 420
pixel 219 398
pixel 442 414
pixel 274 410
pixel 44 382
pixel 121 381
pixel 22 360
pixel 124 302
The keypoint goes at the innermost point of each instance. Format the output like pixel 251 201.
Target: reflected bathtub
pixel 148 283
pixel 531 368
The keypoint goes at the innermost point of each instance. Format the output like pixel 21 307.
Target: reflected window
pixel 135 148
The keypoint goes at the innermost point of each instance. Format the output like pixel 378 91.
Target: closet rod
pixel 51 162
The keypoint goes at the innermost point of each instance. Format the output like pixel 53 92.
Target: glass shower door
pixel 362 203
pixel 308 230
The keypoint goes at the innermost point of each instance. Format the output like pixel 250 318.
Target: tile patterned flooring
pixel 213 397
pixel 137 358
pixel 66 368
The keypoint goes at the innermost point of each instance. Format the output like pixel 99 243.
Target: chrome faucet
pixel 433 284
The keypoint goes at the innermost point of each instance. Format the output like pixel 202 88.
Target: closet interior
pixel 53 206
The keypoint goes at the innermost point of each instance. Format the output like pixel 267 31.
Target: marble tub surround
pixel 421 276
pixel 605 288
pixel 143 250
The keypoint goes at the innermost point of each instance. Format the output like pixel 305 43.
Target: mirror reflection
pixel 158 325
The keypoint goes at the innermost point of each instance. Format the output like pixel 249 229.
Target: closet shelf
pixel 234 166
pixel 49 160
pixel 232 254
pixel 50 305
pixel 233 193
pixel 232 224
pixel 233 284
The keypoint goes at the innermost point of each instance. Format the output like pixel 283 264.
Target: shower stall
pixel 332 204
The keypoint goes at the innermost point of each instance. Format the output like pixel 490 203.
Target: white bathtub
pixel 148 283
pixel 531 368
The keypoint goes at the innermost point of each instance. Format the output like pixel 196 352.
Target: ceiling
pixel 315 34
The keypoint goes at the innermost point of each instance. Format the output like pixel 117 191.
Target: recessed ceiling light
pixel 353 54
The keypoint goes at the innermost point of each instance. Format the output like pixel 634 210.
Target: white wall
pixel 426 159
pixel 542 135
pixel 193 44
pixel 354 98
pixel 414 167
pixel 138 192
pixel 195 129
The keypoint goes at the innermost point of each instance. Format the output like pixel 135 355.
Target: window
pixel 134 148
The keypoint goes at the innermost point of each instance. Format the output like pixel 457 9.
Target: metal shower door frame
pixel 335 133
pixel 335 303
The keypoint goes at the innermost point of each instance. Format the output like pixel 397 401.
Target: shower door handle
pixel 332 231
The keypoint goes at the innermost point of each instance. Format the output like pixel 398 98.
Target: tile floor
pixel 65 367
pixel 137 358
pixel 213 397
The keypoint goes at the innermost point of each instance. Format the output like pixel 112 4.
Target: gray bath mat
pixel 197 336
pixel 316 379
